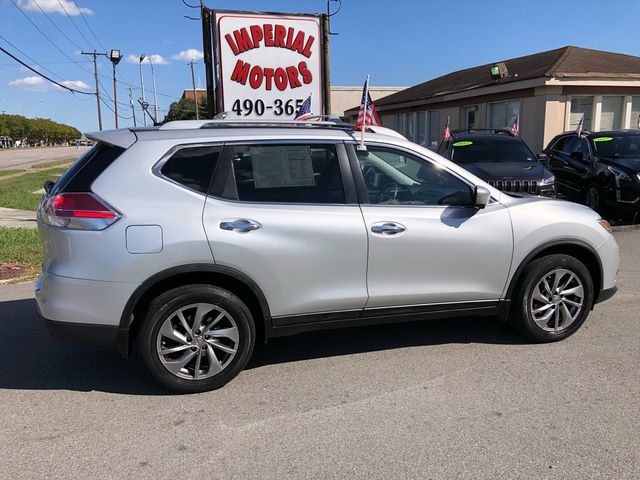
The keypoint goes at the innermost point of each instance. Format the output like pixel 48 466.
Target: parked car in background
pixel 599 169
pixel 501 159
pixel 189 241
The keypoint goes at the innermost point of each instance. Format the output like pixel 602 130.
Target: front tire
pixel 592 198
pixel 196 338
pixel 553 298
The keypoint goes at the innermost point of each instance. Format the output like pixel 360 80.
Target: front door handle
pixel 388 228
pixel 239 225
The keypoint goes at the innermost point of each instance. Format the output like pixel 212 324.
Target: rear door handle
pixel 239 225
pixel 388 228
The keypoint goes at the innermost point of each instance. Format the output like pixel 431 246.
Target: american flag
pixel 304 112
pixel 367 114
pixel 579 129
pixel 446 133
pixel 515 126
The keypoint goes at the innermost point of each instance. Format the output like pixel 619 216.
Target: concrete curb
pixel 625 228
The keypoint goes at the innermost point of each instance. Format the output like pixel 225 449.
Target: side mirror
pixel 577 156
pixel 544 158
pixel 481 197
pixel 48 185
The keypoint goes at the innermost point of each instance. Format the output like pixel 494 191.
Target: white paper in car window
pixel 282 167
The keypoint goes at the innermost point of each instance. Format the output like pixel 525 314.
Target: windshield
pixel 617 147
pixel 491 149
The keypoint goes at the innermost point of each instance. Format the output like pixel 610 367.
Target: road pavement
pixel 23 158
pixel 462 398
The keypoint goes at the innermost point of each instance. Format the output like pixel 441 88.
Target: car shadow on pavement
pixel 30 359
pixel 354 340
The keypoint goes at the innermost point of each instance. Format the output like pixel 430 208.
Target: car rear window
pixel 84 171
pixel 490 149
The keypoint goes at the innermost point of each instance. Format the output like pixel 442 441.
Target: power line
pixel 39 64
pixel 73 90
pixel 56 25
pixel 87 24
pixel 74 23
pixel 48 39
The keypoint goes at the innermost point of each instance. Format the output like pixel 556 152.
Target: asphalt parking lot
pixel 463 398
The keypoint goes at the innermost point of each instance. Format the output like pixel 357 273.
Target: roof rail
pixel 321 121
pixel 330 122
pixel 505 131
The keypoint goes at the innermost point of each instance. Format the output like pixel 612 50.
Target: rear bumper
pixel 104 335
pixel 79 310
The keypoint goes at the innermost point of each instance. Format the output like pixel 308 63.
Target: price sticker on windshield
pixel 463 143
pixel 603 139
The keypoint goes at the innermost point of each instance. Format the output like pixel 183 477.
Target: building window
pixel 421 128
pixel 635 113
pixel 581 108
pixel 400 122
pixel 410 127
pixel 469 117
pixel 611 113
pixel 434 128
pixel 503 114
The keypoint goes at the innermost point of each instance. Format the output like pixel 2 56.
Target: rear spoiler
pixel 120 138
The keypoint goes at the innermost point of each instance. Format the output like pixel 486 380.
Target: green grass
pixel 8 172
pixel 56 163
pixel 20 245
pixel 16 192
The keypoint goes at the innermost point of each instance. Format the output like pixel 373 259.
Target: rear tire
pixel 196 338
pixel 553 298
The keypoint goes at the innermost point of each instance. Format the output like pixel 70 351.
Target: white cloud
pixel 39 84
pixel 156 59
pixel 75 84
pixel 30 84
pixel 54 6
pixel 188 55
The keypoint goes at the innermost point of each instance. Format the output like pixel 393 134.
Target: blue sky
pixel 399 43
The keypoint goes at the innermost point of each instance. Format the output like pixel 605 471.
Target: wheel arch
pixel 228 278
pixel 573 247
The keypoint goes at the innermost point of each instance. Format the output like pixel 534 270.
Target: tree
pixel 185 109
pixel 36 130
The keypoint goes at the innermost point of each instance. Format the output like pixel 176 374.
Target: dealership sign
pixel 267 64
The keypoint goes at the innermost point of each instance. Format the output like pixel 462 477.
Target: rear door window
pixel 285 174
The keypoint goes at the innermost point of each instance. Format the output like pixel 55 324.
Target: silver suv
pixel 187 242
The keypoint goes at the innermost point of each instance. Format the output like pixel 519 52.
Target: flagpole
pixel 366 107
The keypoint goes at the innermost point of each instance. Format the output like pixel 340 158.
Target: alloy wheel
pixel 557 300
pixel 592 198
pixel 197 341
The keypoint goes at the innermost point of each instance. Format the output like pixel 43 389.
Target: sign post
pixel 267 64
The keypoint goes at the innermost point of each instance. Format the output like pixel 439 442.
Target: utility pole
pixel 155 98
pixel 207 50
pixel 133 110
pixel 115 58
pixel 143 102
pixel 326 74
pixel 95 55
pixel 195 96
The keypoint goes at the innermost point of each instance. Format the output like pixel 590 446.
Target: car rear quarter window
pixel 285 174
pixel 192 167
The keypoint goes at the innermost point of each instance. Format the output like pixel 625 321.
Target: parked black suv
pixel 599 169
pixel 500 158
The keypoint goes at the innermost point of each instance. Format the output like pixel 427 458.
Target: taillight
pixel 80 211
